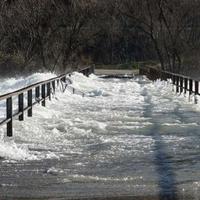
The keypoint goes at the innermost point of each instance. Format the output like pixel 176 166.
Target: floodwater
pixel 127 139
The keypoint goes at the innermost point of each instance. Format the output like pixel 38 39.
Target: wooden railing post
pixel 92 69
pixel 196 91
pixel 186 85
pixel 9 114
pixel 43 95
pixel 190 87
pixel 163 76
pixel 30 103
pixel 21 106
pixel 49 90
pixel 64 79
pixel 88 72
pixel 170 76
pixel 54 86
pixel 173 82
pixel 177 84
pixel 37 93
pixel 181 85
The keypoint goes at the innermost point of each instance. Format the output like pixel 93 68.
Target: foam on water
pixel 11 151
pixel 12 84
pixel 53 128
pixel 123 131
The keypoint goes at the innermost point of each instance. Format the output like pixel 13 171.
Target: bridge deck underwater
pixel 125 139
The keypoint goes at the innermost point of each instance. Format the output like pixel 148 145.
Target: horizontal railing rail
pixel 35 93
pixel 182 83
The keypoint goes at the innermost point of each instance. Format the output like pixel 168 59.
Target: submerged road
pixel 127 139
pixel 113 72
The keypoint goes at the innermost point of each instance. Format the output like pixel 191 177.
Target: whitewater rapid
pixel 124 138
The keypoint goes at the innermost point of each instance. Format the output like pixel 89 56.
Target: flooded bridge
pixel 125 139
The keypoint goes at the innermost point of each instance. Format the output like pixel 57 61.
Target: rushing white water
pixel 11 84
pixel 125 137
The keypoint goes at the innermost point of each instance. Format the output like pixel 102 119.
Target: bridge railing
pixel 34 94
pixel 182 84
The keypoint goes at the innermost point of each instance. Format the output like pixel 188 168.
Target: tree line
pixel 58 34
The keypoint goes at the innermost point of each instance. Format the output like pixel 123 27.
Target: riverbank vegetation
pixel 56 35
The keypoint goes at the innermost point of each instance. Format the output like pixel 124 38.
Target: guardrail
pixel 183 84
pixel 36 93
